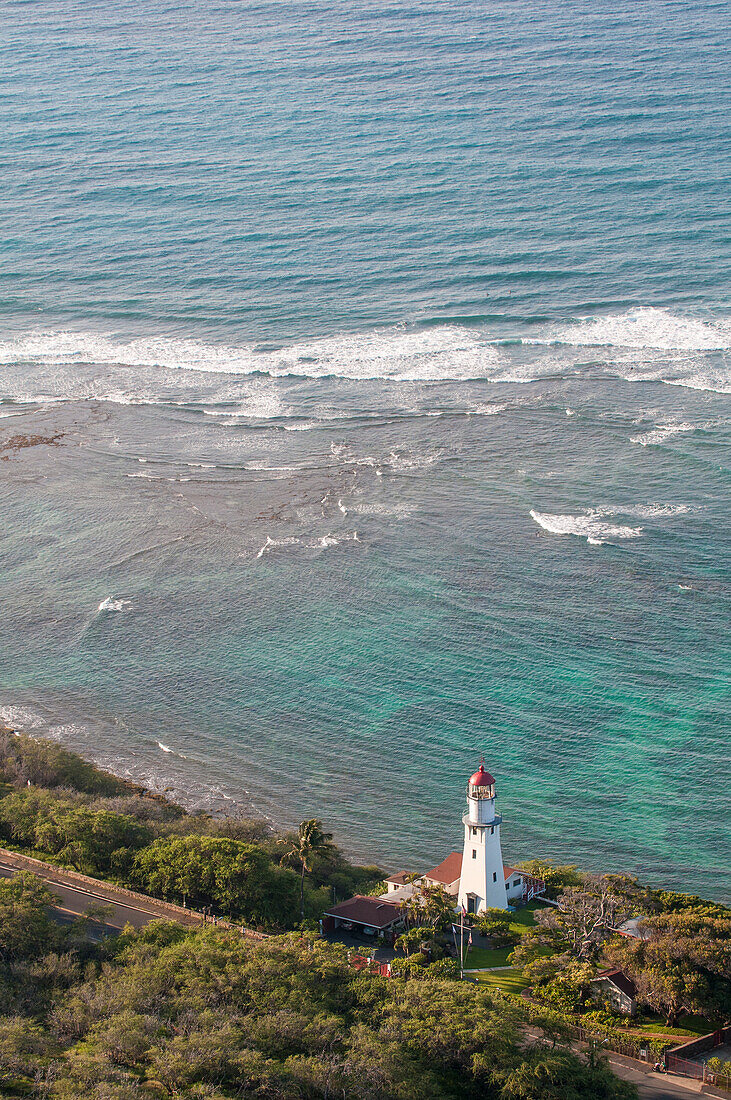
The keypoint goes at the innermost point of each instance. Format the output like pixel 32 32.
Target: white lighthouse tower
pixel 482 883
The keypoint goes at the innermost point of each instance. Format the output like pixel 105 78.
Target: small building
pixel 446 874
pixel 617 989
pixel 634 929
pixel 396 881
pixel 369 915
pixel 520 886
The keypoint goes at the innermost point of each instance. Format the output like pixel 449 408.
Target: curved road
pixel 76 899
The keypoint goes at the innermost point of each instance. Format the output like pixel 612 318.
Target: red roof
pixel 368 911
pixel 398 878
pixel 448 871
pixel 481 778
pixel 619 979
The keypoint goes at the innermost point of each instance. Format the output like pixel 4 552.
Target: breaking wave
pixel 439 354
pixel 590 526
pixel 324 542
pixel 110 604
pixel 660 434
pixel 593 526
pixel 645 343
pixel 646 327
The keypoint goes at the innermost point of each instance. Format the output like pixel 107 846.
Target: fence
pixel 697 1070
pixel 52 873
pixel 631 1046
pixel 677 1062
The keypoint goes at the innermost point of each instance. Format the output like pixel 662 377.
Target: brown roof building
pixel 446 873
pixel 617 988
pixel 363 913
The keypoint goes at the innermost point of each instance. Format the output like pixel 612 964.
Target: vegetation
pixel 496 925
pixel 557 877
pixel 310 843
pixel 429 907
pixel 58 807
pixel 681 964
pixel 506 981
pixel 684 965
pixel 170 1013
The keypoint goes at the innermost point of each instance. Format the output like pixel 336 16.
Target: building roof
pixel 398 878
pixel 369 911
pixel 619 979
pixel 481 778
pixel 448 871
pixel 399 893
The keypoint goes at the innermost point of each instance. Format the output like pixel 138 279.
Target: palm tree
pixel 310 842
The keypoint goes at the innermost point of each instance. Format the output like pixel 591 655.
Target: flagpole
pixel 461 943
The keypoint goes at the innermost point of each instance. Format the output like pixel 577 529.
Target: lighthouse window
pixel 494 876
pixel 474 831
pixel 474 853
pixel 492 829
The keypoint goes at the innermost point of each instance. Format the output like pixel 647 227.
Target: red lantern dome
pixel 481 778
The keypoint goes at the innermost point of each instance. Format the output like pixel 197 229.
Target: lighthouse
pixel 482 882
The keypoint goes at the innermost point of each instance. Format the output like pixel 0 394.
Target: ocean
pixel 364 409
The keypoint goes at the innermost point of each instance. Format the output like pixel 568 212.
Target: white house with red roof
pixel 476 877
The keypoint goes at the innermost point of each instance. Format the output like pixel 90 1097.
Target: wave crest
pixel 590 526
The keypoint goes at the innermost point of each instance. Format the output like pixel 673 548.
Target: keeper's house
pixel 367 915
pixel 616 989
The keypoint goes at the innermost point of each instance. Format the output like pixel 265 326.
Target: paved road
pixel 655 1086
pixel 76 900
pixel 650 1085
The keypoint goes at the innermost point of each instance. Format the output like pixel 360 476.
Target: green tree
pixel 308 844
pixel 428 906
pixel 566 989
pixel 683 964
pixel 586 916
pixel 26 929
pixel 556 876
pixel 25 1049
pixel 207 870
pixel 495 924
pixel 85 837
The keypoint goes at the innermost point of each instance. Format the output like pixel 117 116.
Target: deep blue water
pixel 387 347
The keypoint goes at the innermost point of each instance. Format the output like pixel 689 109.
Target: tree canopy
pixel 169 1012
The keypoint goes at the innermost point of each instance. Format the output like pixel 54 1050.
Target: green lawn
pixel 485 956
pixel 520 922
pixel 687 1025
pixel 526 917
pixel 509 981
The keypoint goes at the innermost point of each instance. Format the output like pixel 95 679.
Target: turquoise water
pixel 387 348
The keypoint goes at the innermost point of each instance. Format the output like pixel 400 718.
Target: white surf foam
pixel 660 434
pixel 110 604
pixel 591 526
pixel 276 544
pixel 646 327
pixel 649 511
pixel 335 540
pixel 446 352
pixel 21 718
pixel 323 542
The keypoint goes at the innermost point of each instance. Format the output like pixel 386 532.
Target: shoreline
pixel 188 807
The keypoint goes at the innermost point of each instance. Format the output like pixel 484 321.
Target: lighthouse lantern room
pixel 482 882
